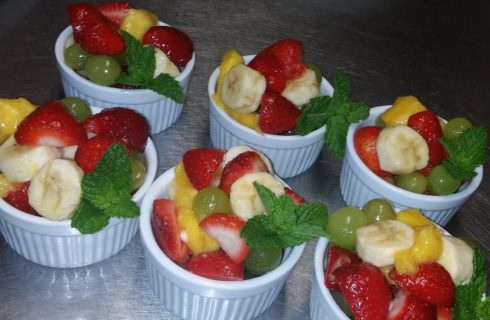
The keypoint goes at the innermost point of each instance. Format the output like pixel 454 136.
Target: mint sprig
pixel 106 192
pixel 141 67
pixel 336 112
pixel 285 224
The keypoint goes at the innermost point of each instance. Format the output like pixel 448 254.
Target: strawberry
pixel 407 306
pixel 274 76
pixel 444 313
pixel 102 38
pixel 225 229
pixel 277 114
pixel 51 124
pixel 115 12
pixel 431 283
pixel 246 162
pixel 365 145
pixel 427 124
pixel 201 165
pixel 365 289
pixel 337 257
pixel 166 231
pixel 18 198
pixel 126 124
pixel 215 265
pixel 82 16
pixel 91 151
pixel 297 199
pixel 173 42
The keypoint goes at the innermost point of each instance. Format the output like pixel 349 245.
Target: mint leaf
pixel 280 210
pixel 313 115
pixel 358 112
pixel 165 85
pixel 335 136
pixel 260 234
pixel 88 219
pixel 342 89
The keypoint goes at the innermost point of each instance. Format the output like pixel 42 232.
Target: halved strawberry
pixel 126 124
pixel 115 12
pixel 225 228
pixel 102 38
pixel 444 313
pixel 82 15
pixel 174 43
pixel 365 289
pixel 166 231
pixel 50 124
pixel 337 257
pixel 365 145
pixel 246 162
pixel 407 306
pixel 277 114
pixel 270 68
pixel 297 199
pixel 90 152
pixel 215 265
pixel 18 198
pixel 201 165
pixel 431 283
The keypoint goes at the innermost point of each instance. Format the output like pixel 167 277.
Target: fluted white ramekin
pixel 190 296
pixel 290 154
pixel 358 184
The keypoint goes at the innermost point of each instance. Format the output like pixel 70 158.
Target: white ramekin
pixel 193 297
pixel 160 111
pixel 358 184
pixel 57 244
pixel 290 154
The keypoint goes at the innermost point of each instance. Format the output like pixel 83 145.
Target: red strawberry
pixel 91 151
pixel 277 114
pixel 115 12
pixel 427 124
pixel 365 145
pixel 225 229
pixel 126 124
pixel 444 313
pixel 337 257
pixel 269 67
pixel 365 289
pixel 82 16
pixel 297 199
pixel 166 231
pixel 102 38
pixel 407 306
pixel 246 162
pixel 173 42
pixel 215 265
pixel 201 165
pixel 431 283
pixel 50 125
pixel 18 198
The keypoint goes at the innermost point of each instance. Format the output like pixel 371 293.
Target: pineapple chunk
pixel 12 112
pixel 402 109
pixel 138 21
pixel 427 246
pixel 413 217
pixel 405 262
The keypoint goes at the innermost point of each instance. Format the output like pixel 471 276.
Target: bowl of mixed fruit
pixel 116 55
pixel 407 154
pixel 208 241
pixel 72 179
pixel 380 264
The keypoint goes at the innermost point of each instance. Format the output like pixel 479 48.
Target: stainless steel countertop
pixel 435 50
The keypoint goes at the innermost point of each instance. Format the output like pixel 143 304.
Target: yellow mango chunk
pixel 12 112
pixel 249 120
pixel 402 109
pixel 230 59
pixel 138 21
pixel 405 262
pixel 427 246
pixel 413 217
pixel 5 185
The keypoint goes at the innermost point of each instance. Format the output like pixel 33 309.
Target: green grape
pixel 342 303
pixel 76 57
pixel 440 182
pixel 378 210
pixel 77 107
pixel 389 179
pixel 413 182
pixel 210 200
pixel 261 261
pixel 342 226
pixel 102 70
pixel 137 156
pixel 317 71
pixel 455 127
pixel 138 173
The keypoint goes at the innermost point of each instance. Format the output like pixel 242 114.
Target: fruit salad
pixel 414 149
pixel 117 45
pixel 387 265
pixel 213 222
pixel 63 162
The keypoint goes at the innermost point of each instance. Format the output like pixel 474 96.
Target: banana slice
pixel 55 190
pixel 457 259
pixel 401 150
pixel 164 65
pixel 243 88
pixel 378 242
pixel 20 163
pixel 300 90
pixel 245 202
pixel 235 151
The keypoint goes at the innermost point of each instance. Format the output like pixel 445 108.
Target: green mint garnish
pixel 285 224
pixel 106 192
pixel 466 153
pixel 141 67
pixel 336 112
